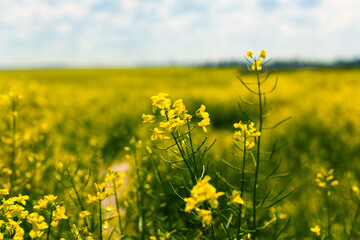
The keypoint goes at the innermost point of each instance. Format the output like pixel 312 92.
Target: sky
pixel 45 33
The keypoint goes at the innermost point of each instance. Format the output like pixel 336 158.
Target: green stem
pixel 141 223
pixel 78 197
pixel 257 154
pixel 100 221
pixel 192 150
pixel 328 216
pixel 168 202
pixel 184 158
pixel 117 208
pixel 242 186
pixel 50 220
pixel 357 213
pixel 223 225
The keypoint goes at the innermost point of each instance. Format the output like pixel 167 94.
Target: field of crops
pixel 61 130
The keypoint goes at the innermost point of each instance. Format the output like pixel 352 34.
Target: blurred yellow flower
pixel 158 134
pixel 262 54
pixel 249 54
pixel 235 198
pixel 148 118
pixel 202 191
pixel 85 213
pixel 316 230
pixel 110 208
pixel 4 191
pixel 205 216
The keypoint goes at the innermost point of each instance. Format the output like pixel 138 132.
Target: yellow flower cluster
pixel 246 131
pixel 12 214
pixel 38 224
pixel 326 178
pixel 201 192
pixel 101 193
pixel 58 214
pixel 58 211
pixel 43 203
pixel 173 116
pixel 257 62
pixel 200 113
pixel 205 216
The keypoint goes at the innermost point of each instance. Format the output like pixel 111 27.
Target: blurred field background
pixel 77 113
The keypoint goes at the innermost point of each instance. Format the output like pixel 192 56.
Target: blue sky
pixel 36 33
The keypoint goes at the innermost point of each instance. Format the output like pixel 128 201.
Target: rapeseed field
pixel 180 153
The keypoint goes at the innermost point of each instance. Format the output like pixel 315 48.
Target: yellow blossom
pixel 205 216
pixel 41 204
pixel 334 183
pixel 249 54
pixel 158 134
pixel 201 111
pixel 205 122
pixel 202 191
pixel 38 224
pixel 51 198
pixel 179 107
pixel 85 213
pixel 148 118
pixel 148 149
pixel 161 101
pixel 110 208
pixel 4 191
pixel 235 198
pixel 316 230
pixel 105 225
pixel 262 54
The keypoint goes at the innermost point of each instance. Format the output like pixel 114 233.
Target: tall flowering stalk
pixel 248 132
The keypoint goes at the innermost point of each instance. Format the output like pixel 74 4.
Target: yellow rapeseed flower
pixel 200 113
pixel 161 101
pixel 148 118
pixel 249 54
pixel 110 208
pixel 205 216
pixel 85 213
pixel 4 191
pixel 262 54
pixel 316 230
pixel 158 134
pixel 202 191
pixel 235 198
pixel 105 225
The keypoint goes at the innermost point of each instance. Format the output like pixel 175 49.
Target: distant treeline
pixel 287 65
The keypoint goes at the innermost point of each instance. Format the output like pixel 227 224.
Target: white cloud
pixel 160 30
